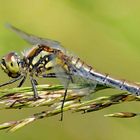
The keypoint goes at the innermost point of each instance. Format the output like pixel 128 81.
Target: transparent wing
pixel 72 76
pixel 78 78
pixel 34 40
pixel 60 72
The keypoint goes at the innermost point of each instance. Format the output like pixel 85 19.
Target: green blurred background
pixel 104 33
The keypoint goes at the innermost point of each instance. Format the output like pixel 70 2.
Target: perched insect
pixel 47 54
pixel 34 63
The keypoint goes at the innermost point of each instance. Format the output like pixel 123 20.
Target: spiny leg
pixel 36 83
pixel 51 75
pixel 33 83
pixel 17 101
pixel 64 98
pixel 34 87
pixel 11 81
pixel 20 84
pixel 22 81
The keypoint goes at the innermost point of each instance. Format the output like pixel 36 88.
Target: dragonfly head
pixel 10 64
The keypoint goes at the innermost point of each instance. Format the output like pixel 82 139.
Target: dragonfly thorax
pixel 10 64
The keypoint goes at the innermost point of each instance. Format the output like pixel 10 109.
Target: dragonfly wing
pixel 81 77
pixel 67 76
pixel 34 40
pixel 90 85
pixel 61 74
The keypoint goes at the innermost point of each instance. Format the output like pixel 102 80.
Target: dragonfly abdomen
pixel 116 83
pixel 106 79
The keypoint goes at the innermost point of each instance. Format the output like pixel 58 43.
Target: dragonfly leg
pixel 17 101
pixel 51 75
pixel 22 81
pixel 33 83
pixel 36 83
pixel 64 98
pixel 11 81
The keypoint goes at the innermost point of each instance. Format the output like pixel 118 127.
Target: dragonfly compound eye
pixel 10 64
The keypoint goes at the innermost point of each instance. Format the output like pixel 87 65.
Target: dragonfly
pixel 47 54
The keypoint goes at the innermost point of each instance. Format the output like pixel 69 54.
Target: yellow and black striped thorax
pixel 38 59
